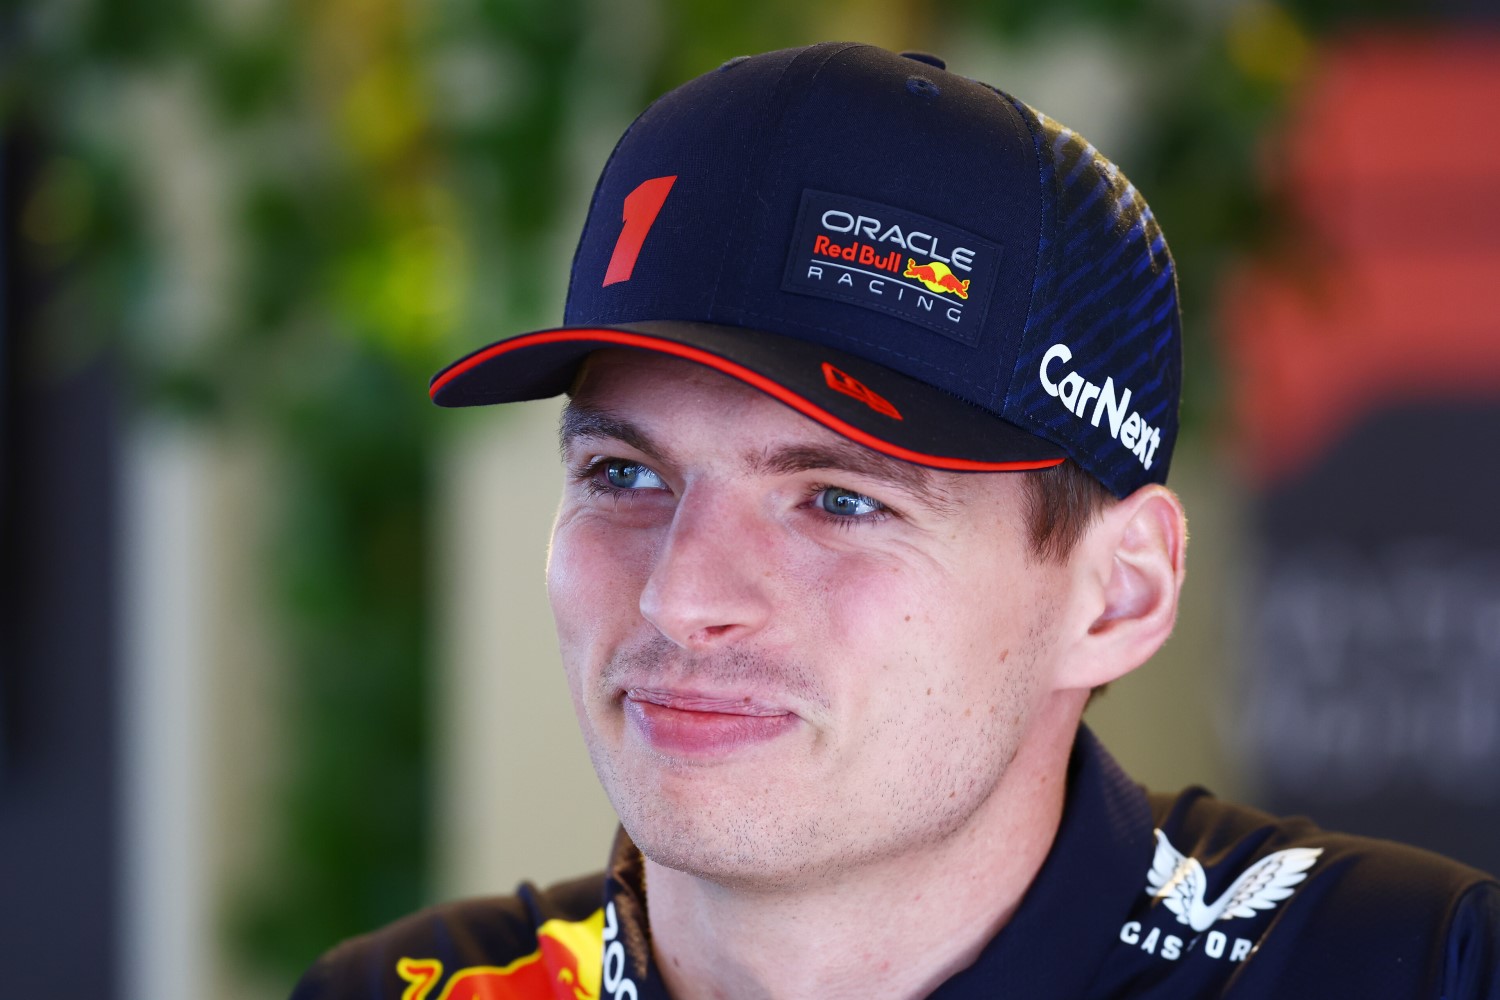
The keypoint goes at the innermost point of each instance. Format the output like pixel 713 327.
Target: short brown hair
pixel 1061 503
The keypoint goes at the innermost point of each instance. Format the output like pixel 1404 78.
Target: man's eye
pixel 623 475
pixel 844 502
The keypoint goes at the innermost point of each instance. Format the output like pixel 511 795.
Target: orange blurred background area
pixel 1386 287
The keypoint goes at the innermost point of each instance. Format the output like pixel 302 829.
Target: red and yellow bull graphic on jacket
pixel 565 966
pixel 573 960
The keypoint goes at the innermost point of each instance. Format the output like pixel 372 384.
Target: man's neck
pixel 897 928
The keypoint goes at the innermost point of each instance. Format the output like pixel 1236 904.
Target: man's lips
pixel 690 724
pixel 688 701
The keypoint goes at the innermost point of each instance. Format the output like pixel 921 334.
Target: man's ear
pixel 1129 568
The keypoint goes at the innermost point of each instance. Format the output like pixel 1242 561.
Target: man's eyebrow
pixel 582 421
pixel 919 483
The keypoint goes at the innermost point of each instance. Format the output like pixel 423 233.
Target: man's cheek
pixel 878 603
pixel 594 587
pixel 581 624
pixel 884 636
pixel 575 621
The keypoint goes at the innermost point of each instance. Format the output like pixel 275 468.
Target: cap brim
pixel 863 401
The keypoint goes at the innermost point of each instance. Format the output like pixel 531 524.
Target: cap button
pixel 925 57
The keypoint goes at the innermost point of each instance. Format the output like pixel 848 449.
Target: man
pixel 873 378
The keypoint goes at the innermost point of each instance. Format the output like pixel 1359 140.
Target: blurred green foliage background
pixel 283 217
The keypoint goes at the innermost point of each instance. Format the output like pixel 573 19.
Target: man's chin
pixel 745 863
pixel 728 821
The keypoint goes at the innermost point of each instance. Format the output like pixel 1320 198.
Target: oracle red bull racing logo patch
pixel 893 261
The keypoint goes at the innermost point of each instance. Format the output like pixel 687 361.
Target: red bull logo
pixel 567 965
pixel 936 276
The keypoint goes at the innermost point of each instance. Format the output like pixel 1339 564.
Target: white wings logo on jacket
pixel 1180 883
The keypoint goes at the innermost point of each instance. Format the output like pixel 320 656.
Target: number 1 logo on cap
pixel 641 208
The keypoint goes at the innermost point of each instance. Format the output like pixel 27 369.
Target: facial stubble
pixel 776 827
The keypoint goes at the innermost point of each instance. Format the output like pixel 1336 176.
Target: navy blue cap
pixel 916 260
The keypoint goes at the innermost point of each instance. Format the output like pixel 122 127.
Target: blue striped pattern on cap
pixel 1106 289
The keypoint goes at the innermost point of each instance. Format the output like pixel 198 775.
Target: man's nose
pixel 710 581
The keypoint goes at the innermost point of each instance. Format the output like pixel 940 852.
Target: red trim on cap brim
pixel 743 374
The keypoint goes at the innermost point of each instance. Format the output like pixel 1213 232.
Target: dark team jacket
pixel 1142 895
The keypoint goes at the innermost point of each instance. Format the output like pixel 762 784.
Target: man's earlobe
pixel 1134 559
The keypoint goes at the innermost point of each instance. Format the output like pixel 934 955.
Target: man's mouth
pixel 692 724
pixel 692 702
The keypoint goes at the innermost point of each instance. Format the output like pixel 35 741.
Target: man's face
pixel 789 655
